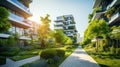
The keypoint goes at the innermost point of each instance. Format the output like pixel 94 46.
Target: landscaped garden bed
pixel 52 57
pixel 105 58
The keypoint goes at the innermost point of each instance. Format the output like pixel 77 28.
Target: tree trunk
pixel 97 45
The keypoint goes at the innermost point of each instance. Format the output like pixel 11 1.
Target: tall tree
pixel 4 24
pixel 44 29
pixel 96 28
pixel 59 36
pixel 115 34
pixel 68 40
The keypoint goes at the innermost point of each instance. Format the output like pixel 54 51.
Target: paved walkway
pixel 10 63
pixel 79 58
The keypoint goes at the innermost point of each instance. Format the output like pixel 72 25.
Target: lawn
pixel 42 63
pixel 104 59
pixel 26 54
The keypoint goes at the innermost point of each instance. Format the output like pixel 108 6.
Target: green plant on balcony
pixel 96 10
pixel 73 22
pixel 118 9
pixel 90 16
pixel 25 2
pixel 71 27
pixel 63 17
pixel 109 12
pixel 16 35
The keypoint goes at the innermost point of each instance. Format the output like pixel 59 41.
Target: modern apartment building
pixel 34 29
pixel 109 11
pixel 18 18
pixel 67 24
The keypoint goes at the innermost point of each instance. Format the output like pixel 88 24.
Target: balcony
pixel 16 6
pixel 58 28
pixel 70 35
pixel 2 35
pixel 18 21
pixel 114 18
pixel 59 20
pixel 25 38
pixel 97 3
pixel 114 2
pixel 59 23
pixel 71 25
pixel 98 15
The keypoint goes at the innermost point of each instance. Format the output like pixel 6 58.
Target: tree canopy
pixel 96 28
pixel 44 29
pixel 4 24
pixel 59 36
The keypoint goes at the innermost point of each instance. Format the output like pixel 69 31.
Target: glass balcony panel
pixel 113 17
pixel 12 15
pixel 16 2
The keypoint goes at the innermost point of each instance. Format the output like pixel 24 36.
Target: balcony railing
pixel 25 38
pixel 18 19
pixel 2 35
pixel 12 15
pixel 113 17
pixel 20 5
pixel 58 27
pixel 69 34
pixel 59 23
pixel 111 4
pixel 98 14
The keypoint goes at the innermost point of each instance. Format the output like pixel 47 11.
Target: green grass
pixel 25 54
pixel 38 62
pixel 105 59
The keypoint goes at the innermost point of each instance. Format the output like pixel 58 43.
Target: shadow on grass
pixel 39 63
pixel 102 65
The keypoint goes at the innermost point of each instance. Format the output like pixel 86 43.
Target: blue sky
pixel 78 8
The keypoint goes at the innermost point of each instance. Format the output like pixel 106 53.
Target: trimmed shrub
pixel 50 61
pixel 10 51
pixel 60 52
pixel 56 58
pixel 48 54
pixel 2 60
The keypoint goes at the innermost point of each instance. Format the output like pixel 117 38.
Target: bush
pixel 48 54
pixel 60 52
pixel 112 50
pixel 11 41
pixel 50 61
pixel 2 60
pixel 15 49
pixel 56 58
pixel 11 51
pixel 8 53
pixel 68 47
pixel 118 51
